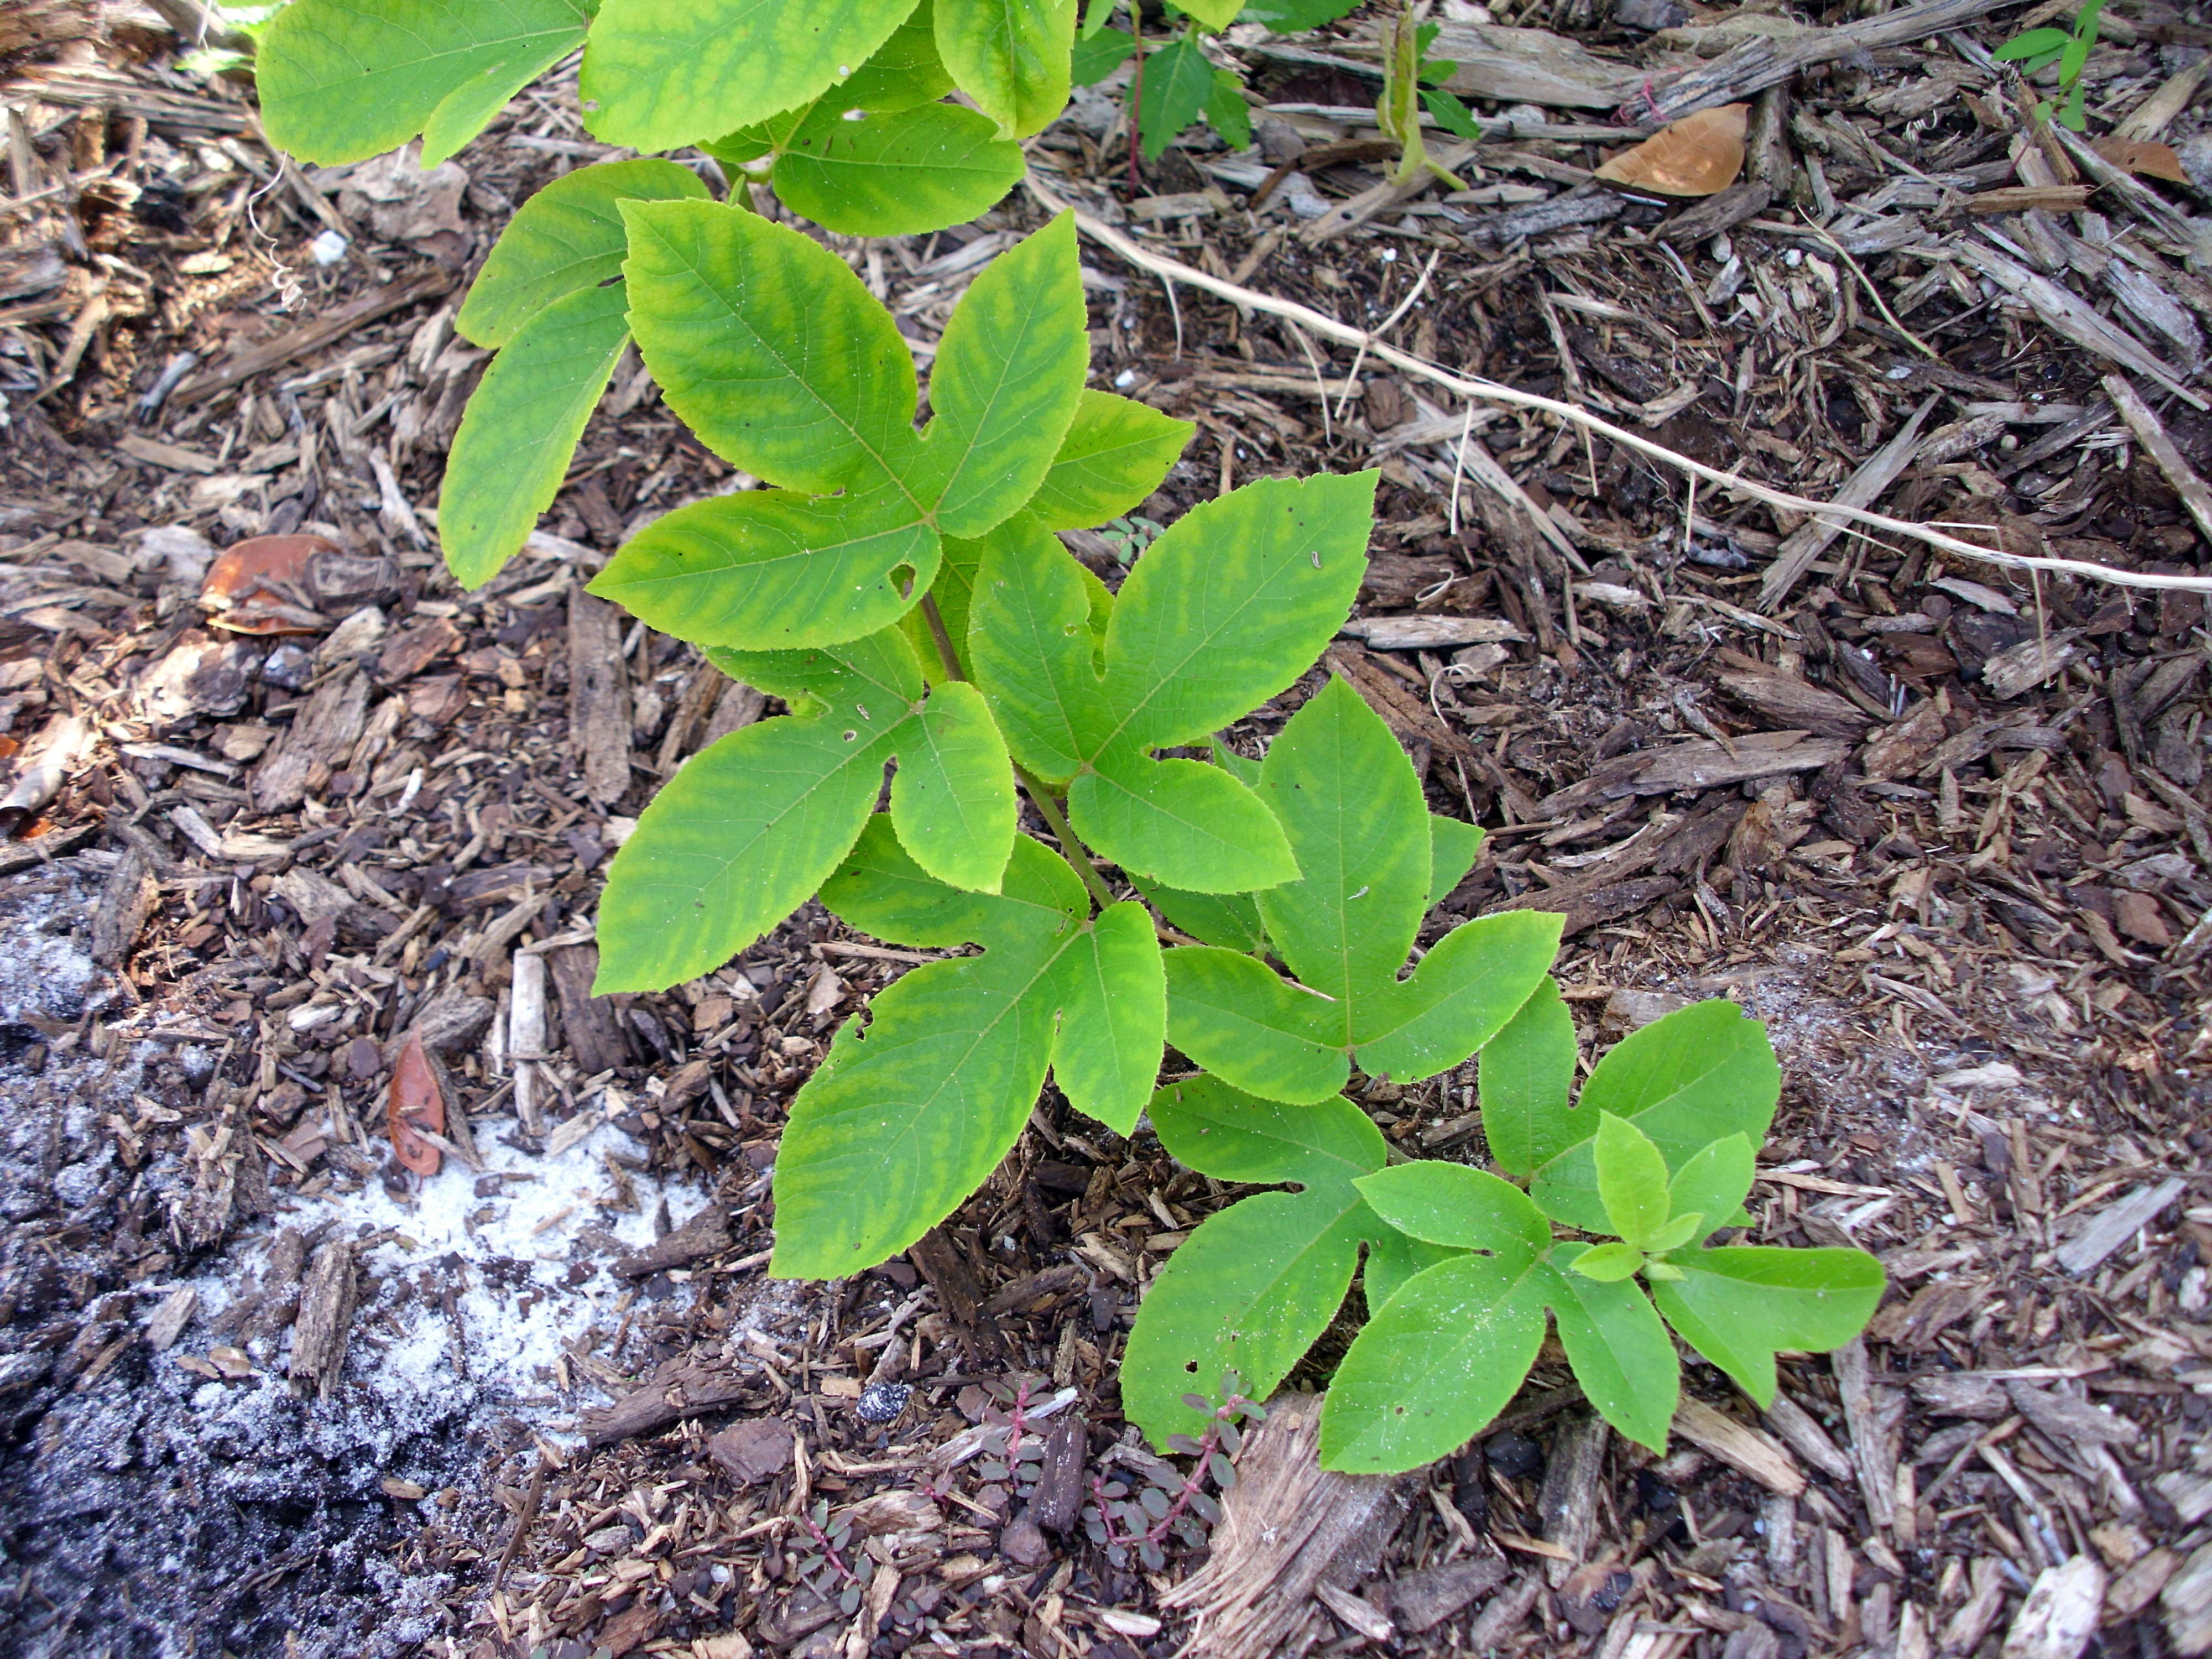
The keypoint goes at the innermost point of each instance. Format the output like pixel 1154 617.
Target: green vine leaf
pixel 1116 452
pixel 1714 1184
pixel 1246 1294
pixel 903 1121
pixel 1453 846
pixel 1012 56
pixel 1353 810
pixel 1453 1206
pixel 661 74
pixel 1699 1075
pixel 1217 616
pixel 1391 1260
pixel 345 80
pixel 749 828
pixel 1738 1305
pixel 905 72
pixel 769 346
pixel 1178 82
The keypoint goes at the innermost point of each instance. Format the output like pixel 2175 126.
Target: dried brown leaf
pixel 414 1101
pixel 1700 154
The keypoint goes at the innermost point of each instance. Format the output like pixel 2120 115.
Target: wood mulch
pixel 1947 831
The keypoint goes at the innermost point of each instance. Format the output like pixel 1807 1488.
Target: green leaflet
pixel 1213 620
pixel 769 346
pixel 1098 56
pixel 1392 1260
pixel 1631 1180
pixel 1453 848
pixel 1227 113
pixel 1699 1075
pixel 1115 453
pixel 905 1120
pixel 1178 82
pixel 1349 802
pixel 567 237
pixel 1258 1032
pixel 661 74
pixel 1738 1306
pixel 772 569
pixel 1453 1206
pixel 521 426
pixel 1525 1082
pixel 912 169
pixel 1183 815
pixel 1012 56
pixel 1005 382
pixel 905 72
pixel 1436 1363
pixel 751 827
pixel 1714 1184
pixel 1622 1355
pixel 1214 15
pixel 344 80
pixel 1229 920
pixel 1244 1298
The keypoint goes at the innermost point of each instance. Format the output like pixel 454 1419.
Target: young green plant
pixel 2036 50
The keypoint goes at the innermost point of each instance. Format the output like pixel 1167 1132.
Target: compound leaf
pixel 769 348
pixel 1227 113
pixel 752 826
pixel 1115 453
pixel 521 428
pixel 770 570
pixel 1352 808
pixel 1632 1179
pixel 1699 1075
pixel 1207 626
pixel 1098 56
pixel 1621 1353
pixel 903 1121
pixel 1012 56
pixel 1436 1363
pixel 1245 1295
pixel 1609 1263
pixel 1006 379
pixel 567 236
pixel 1451 1205
pixel 2032 43
pixel 345 80
pixel 1737 1306
pixel 894 172
pixel 1525 1078
pixel 661 74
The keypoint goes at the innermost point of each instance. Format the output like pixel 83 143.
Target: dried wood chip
pixel 705 1234
pixel 1760 1456
pixel 1419 1601
pixel 322 735
pixel 599 697
pixel 325 1319
pixel 2114 1225
pixel 2187 1603
pixel 2061 1613
pixel 749 1452
pixel 1567 1504
pixel 1286 1526
pixel 127 897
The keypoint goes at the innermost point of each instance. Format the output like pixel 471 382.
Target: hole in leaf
pixel 903 577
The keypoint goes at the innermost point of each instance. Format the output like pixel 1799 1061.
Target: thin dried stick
pixel 1490 390
pixel 1389 323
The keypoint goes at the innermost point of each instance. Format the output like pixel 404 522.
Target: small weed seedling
pixel 2069 48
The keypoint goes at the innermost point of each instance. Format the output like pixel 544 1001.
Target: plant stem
pixel 1034 787
pixel 1078 853
pixel 1136 94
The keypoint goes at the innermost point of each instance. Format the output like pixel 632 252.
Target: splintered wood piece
pixel 598 696
pixel 126 899
pixel 1568 1501
pixel 1287 1527
pixel 2061 1613
pixel 1758 1455
pixel 414 1102
pixel 326 1321
pixel 2149 161
pixel 1700 154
